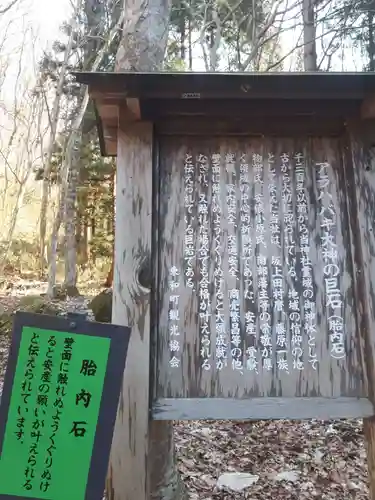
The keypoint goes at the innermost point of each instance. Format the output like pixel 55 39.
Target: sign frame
pixel 119 337
pixel 204 407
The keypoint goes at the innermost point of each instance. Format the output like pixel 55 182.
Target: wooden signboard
pixel 58 407
pixel 244 255
pixel 257 311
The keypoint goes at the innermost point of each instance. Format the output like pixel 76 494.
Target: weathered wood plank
pixel 188 85
pixel 360 174
pixel 317 177
pixel 155 109
pixel 261 408
pixel 299 126
pixel 127 478
pixel 369 432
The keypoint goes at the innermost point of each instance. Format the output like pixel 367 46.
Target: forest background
pixel 56 191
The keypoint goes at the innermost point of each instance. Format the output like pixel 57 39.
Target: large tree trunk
pixel 143 462
pixel 144 36
pixel 165 481
pixel 309 35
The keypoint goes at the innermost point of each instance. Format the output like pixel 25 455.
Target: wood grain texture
pixel 361 179
pixel 292 126
pixel 127 478
pixel 360 173
pixel 369 432
pixel 332 378
pixel 261 408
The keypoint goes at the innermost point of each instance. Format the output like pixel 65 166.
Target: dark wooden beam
pixel 154 109
pixel 261 126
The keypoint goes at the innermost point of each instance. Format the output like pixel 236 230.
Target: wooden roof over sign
pixel 162 95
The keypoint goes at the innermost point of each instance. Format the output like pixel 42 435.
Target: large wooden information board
pixel 256 284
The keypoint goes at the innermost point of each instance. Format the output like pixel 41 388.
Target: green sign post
pixel 59 406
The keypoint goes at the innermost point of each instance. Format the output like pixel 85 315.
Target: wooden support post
pixel 369 432
pixel 360 180
pixel 127 476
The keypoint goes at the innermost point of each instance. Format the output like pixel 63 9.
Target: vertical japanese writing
pixel 282 345
pixel 203 257
pixel 257 163
pixel 42 400
pixel 264 313
pixel 233 263
pixel 83 398
pixel 294 312
pixel 277 278
pixel 274 204
pixel 309 307
pixel 27 389
pixel 331 270
pixel 265 335
pixel 245 229
pixel 247 256
pixel 252 350
pixel 189 201
pixel 174 317
pixel 262 276
pixel 289 219
pixel 221 339
pixel 48 378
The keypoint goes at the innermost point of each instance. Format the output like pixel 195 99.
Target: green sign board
pixel 59 406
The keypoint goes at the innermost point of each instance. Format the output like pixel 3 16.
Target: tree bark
pixel 70 216
pixel 53 122
pixel 143 463
pixel 309 35
pixel 371 38
pixel 127 479
pixel 165 480
pixel 144 36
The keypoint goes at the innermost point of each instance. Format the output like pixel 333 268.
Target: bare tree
pixel 4 10
pixel 54 117
pixel 22 128
pixel 142 48
pixel 309 35
pixel 69 178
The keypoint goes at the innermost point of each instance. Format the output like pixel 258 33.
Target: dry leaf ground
pixel 323 460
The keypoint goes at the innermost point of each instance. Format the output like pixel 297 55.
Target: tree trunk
pixel 143 463
pixel 52 256
pixel 371 38
pixel 111 229
pixel 139 446
pixel 70 216
pixel 76 125
pixel 165 481
pixel 309 35
pixel 144 36
pixel 54 119
pixel 12 225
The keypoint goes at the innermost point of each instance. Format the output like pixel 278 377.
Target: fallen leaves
pixel 291 460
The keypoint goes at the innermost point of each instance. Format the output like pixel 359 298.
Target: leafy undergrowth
pixel 281 460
